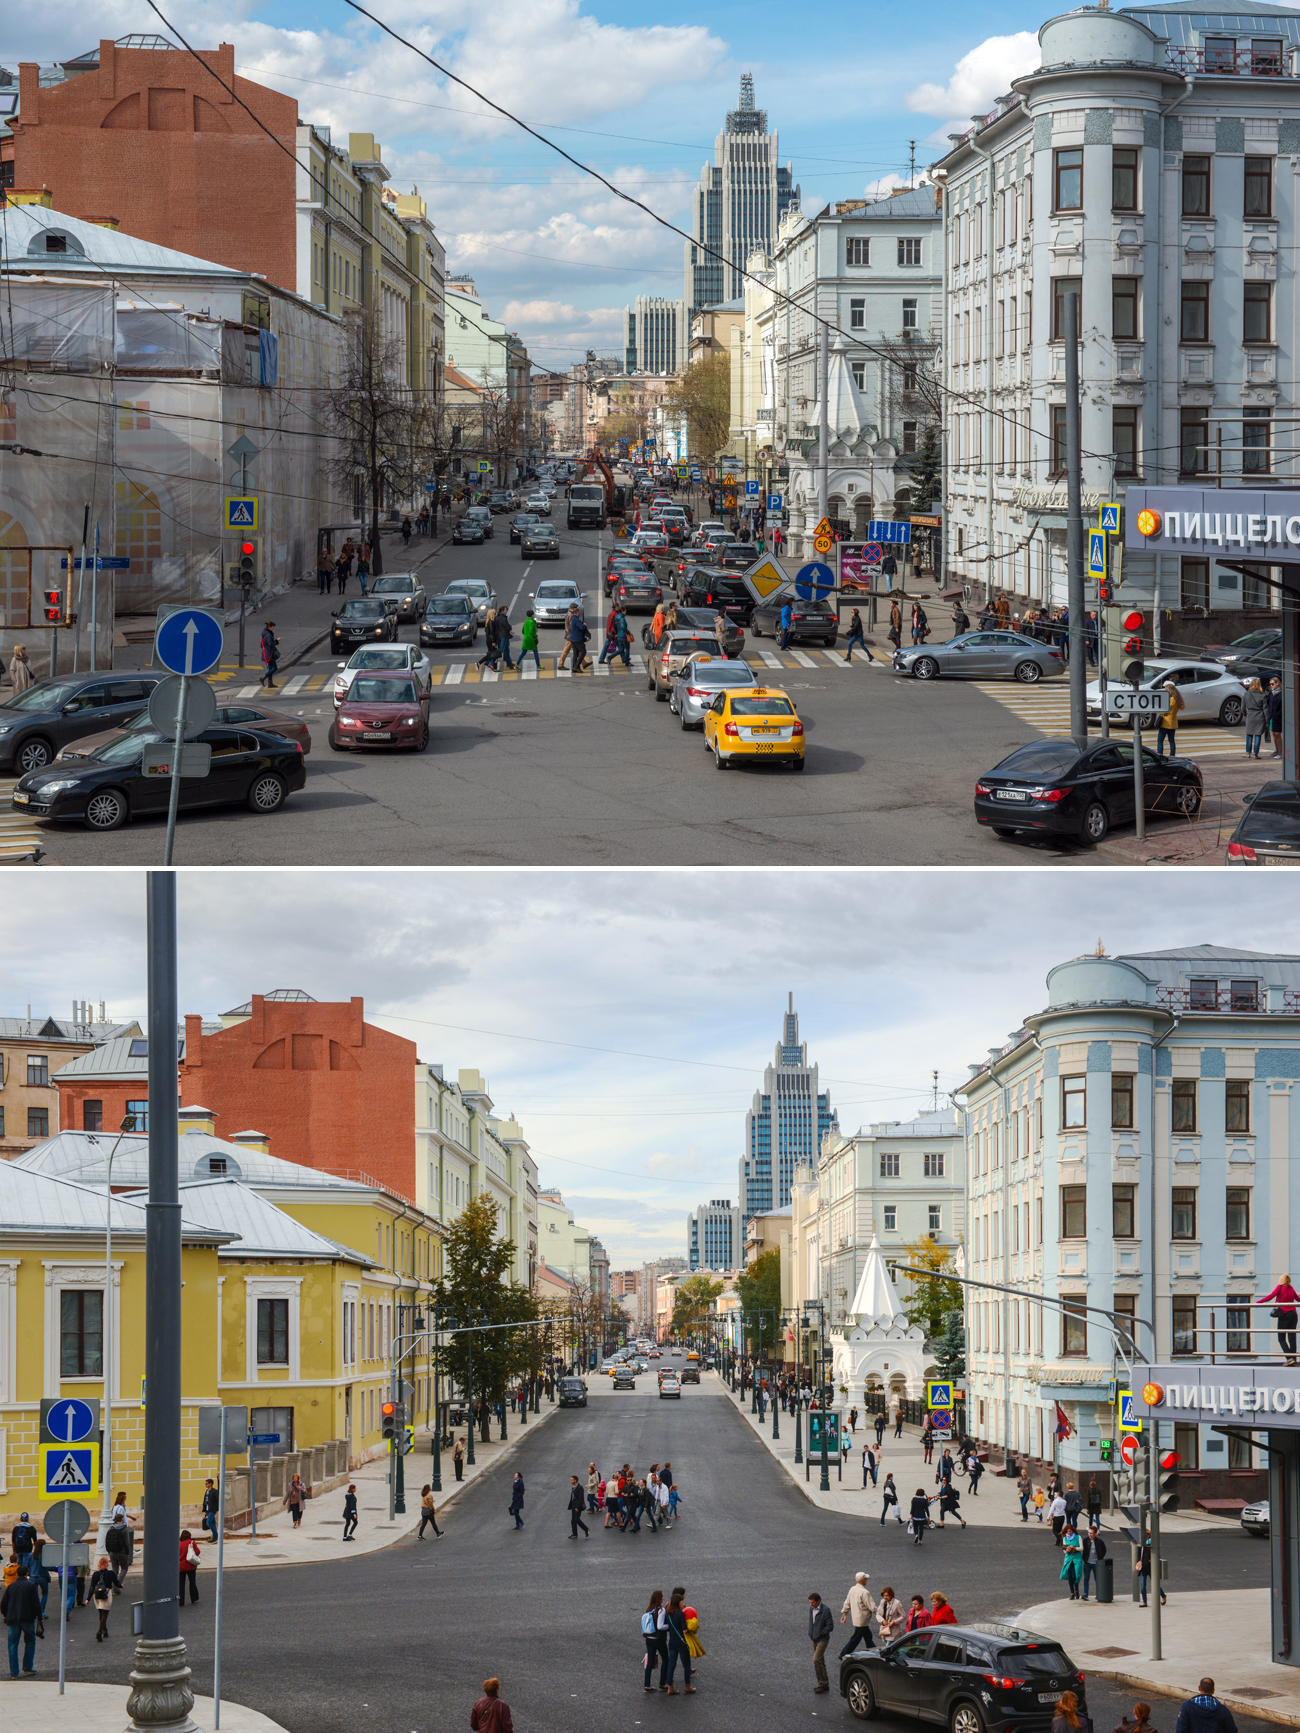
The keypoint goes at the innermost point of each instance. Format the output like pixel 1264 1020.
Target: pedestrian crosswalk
pixel 1047 708
pixel 20 840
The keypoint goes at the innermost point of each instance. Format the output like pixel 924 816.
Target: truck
pixel 614 496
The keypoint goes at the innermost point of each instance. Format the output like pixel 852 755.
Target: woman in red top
pixel 189 1566
pixel 942 1613
pixel 1285 1301
pixel 917 1618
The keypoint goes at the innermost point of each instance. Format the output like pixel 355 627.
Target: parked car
pixel 698 682
pixel 404 593
pixel 540 541
pixel 981 656
pixel 1209 691
pixel 384 709
pixel 1268 831
pixel 979 1678
pixel 36 723
pixel 228 715
pixel 1255 1519
pixel 1052 788
pixel 395 658
pixel 106 789
pixel 478 592
pixel 551 600
pixel 520 522
pixel 362 621
pixel 450 620
pixel 468 530
pixel 814 622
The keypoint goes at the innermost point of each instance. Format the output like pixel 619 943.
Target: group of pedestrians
pixel 497 632
pixel 28 1578
pixel 625 1498
pixel 334 569
pixel 892 1619
pixel 671 1634
pixel 1264 717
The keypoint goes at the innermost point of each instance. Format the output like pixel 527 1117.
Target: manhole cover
pixel 1112 1654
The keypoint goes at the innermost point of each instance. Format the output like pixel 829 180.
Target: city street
pixel 407 1635
pixel 526 771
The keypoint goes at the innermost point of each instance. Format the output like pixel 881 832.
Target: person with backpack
pixel 23 1539
pixel 119 1544
pixel 655 1631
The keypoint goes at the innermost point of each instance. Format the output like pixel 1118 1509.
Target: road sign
pixel 814 580
pixel 1108 518
pixel 1113 1392
pixel 873 553
pixel 264 1438
pixel 196 759
pixel 1128 1419
pixel 938 1393
pixel 888 530
pixel 68 1468
pixel 67 1520
pixel 764 579
pixel 105 563
pixel 697 475
pixel 189 641
pixel 728 480
pixel 1122 701
pixel 1128 1449
pixel 68 1419
pixel 823 544
pixel 200 707
pixel 240 512
pixel 484 466
pixel 1096 553
pixel 774 502
pixel 941 1421
pixel 752 487
pixel 823 529
pixel 729 501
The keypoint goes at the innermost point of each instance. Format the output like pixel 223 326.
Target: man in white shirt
pixel 859 1604
pixel 1056 1510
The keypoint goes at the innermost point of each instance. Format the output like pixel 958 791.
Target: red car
pixel 382 709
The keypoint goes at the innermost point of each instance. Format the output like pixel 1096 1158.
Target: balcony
pixel 1220 996
pixel 1226 60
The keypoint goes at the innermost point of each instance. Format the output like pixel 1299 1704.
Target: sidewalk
pixel 1228 780
pixel 102 1708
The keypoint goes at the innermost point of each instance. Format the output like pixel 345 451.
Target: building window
pixel 936 1221
pixel 909 438
pixel 1073 1106
pixel 1194 435
pixel 1256 320
pixel 889 1164
pixel 273 1332
pixel 1255 588
pixel 1195 583
pixel 1124 440
pixel 1121 1211
pixel 858 251
pixel 1184 1104
pixel 1256 438
pixel 1058 439
pixel 1259 186
pixel 1194 326
pixel 38 1070
pixel 38 1122
pixel 1074 1326
pixel 1121 1101
pixel 1068 180
pixel 891 1217
pixel 81 1333
pixel 934 1165
pixel 140 1111
pixel 1124 307
pixel 1123 180
pixel 1236 1106
pixel 1239 1452
pixel 2 1121
pixel 1187 1442
pixel 909 315
pixel 1074 1212
pixel 1184 1320
pixel 92 1116
pixel 1125 1312
pixel 859 370
pixel 909 251
pixel 1203 994
pixel 1182 1215
pixel 1236 1321
pixel 1243 995
pixel 1062 288
pixel 1196 186
pixel 857 314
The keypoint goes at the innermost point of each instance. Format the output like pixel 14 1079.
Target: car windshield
pixel 467 587
pixel 761 707
pixel 1275 815
pixel 1254 640
pixel 741 550
pixel 379 659
pixel 367 691
pixel 557 593
pixel 479 513
pixel 449 605
pixel 127 748
pixel 722 674
pixel 525 517
pixel 1048 1659
pixel 543 530
pixel 1041 759
pixel 695 647
pixel 392 586
pixel 46 695
pixel 361 611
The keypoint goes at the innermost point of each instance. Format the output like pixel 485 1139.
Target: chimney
pixel 101 222
pixel 357 1020
pixel 257 1020
pixel 196 1119
pixel 193 1041
pixel 103 1014
pixel 256 1140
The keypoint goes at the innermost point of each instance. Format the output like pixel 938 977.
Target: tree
pixel 692 1302
pixel 950 1349
pixel 475 1265
pixel 759 1289
pixel 929 1299
pixel 703 395
pixel 927 476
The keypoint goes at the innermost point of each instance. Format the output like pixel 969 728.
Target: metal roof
pixel 83 1155
pixel 33 1202
pixel 61 1029
pixel 95 249
pixel 279 995
pixel 115 1058
pixel 255 1227
pixel 1185 26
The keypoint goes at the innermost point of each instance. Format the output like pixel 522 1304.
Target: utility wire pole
pixel 1074 530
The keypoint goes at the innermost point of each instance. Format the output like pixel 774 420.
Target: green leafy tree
pixel 929 1299
pixel 703 395
pixel 760 1292
pixel 475 1267
pixel 692 1302
pixel 950 1349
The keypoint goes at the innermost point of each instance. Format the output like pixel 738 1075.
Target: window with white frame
pixel 909 315
pixel 857 250
pixel 936 1218
pixel 909 250
pixel 933 1161
pixel 891 1218
pixel 889 1159
pixel 857 313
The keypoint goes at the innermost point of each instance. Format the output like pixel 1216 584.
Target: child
pixel 674 1499
pixel 1040 1500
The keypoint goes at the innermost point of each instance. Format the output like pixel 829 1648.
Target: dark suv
pixel 39 722
pixel 724 592
pixel 968 1678
pixel 572 1392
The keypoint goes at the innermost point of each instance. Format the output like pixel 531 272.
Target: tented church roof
pixel 876 1298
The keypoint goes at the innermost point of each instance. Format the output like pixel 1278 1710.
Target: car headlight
pixel 407 721
pixel 7 728
pixel 347 721
pixel 50 788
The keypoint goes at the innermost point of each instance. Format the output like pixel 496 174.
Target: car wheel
pixel 422 743
pixel 1188 801
pixel 106 810
pixel 860 1697
pixel 926 668
pixel 650 684
pixel 718 760
pixel 661 696
pixel 34 754
pixel 1096 822
pixel 267 793
pixel 336 745
pixel 685 723
pixel 1231 712
pixel 754 627
pixel 965 1718
pixel 1028 673
pixel 797 764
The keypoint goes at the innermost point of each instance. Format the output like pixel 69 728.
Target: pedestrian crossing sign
pixel 69 1468
pixel 938 1394
pixel 1129 1420
pixel 241 512
pixel 1108 519
pixel 1096 553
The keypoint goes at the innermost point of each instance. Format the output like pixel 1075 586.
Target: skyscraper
pixel 785 1125
pixel 738 205
pixel 713 1236
pixel 657 334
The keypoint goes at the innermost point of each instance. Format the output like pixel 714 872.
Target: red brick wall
pixel 329 1089
pixel 75 1092
pixel 153 140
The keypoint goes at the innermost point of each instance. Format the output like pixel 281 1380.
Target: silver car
pixel 479 592
pixel 1209 691
pixel 539 503
pixel 553 599
pixel 403 594
pixel 696 685
pixel 1255 1519
pixel 981 656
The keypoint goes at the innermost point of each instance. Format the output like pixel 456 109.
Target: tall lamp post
pixel 106 1516
pixel 811 1306
pixel 443 1319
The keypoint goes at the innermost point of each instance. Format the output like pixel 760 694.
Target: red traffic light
pixel 389 1409
pixel 53 606
pixel 1170 1459
pixel 246 547
pixel 1133 622
pixel 1132 646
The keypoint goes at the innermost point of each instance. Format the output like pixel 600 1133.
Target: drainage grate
pixel 1111 1654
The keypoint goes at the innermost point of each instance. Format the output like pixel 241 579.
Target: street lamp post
pixel 442 1320
pixel 106 1517
pixel 820 1309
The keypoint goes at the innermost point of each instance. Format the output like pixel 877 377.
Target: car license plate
pixel 1049 1696
pixel 1011 794
pixel 764 731
pixel 21 799
pixel 1268 859
pixel 376 734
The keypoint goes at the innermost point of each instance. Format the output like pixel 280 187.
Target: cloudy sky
pixel 625 1018
pixel 555 255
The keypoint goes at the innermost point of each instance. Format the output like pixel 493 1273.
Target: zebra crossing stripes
pixel 1047 708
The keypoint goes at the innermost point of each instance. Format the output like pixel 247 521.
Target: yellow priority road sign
pixel 764 579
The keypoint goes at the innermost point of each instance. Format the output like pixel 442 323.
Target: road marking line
pixel 771 660
pixel 248 692
pixel 529 673
pixel 601 668
pixel 317 682
pixel 803 660
pixel 437 675
pixel 836 661
pixel 295 685
pixel 564 673
pixel 638 662
pixel 1049 712
pixel 489 674
pixel 455 674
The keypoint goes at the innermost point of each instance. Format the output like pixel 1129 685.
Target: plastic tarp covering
pixel 56 326
pixel 270 348
pixel 165 341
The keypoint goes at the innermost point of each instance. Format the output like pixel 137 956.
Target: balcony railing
pixel 1224 997
pixel 1252 62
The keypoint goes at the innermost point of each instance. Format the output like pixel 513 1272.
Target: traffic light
pixel 1106 592
pixel 250 563
pixel 53 607
pixel 1167 1497
pixel 394 1419
pixel 1132 667
pixel 1106 1445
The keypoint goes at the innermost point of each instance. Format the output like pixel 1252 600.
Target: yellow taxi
pixel 753 723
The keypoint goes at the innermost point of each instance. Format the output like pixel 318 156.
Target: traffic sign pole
pixel 175 795
pixel 63 1611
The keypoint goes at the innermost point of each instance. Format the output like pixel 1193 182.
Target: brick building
pixel 148 136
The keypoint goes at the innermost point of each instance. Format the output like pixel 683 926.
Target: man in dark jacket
pixel 119 1545
pixel 1073 1505
pixel 20 1608
pixel 270 655
pixel 577 1504
pixel 24 1538
pixel 1094 1550
pixel 211 1500
pixel 1204 1713
pixel 821 1628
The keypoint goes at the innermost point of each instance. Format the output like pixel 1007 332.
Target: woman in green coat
pixel 1072 1563
pixel 528 643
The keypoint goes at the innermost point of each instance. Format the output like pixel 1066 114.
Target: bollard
pixel 1105 1573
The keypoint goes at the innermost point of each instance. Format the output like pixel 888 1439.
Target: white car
pixel 704 531
pixel 552 600
pixel 478 590
pixel 402 657
pixel 540 503
pixel 670 1386
pixel 1210 693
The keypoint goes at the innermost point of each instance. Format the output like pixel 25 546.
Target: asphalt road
pixel 400 1640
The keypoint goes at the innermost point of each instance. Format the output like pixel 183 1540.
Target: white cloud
pixel 978 78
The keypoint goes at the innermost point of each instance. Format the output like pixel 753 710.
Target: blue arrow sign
pixel 188 642
pixel 774 502
pixel 814 580
pixel 887 530
pixel 1096 553
pixel 71 1421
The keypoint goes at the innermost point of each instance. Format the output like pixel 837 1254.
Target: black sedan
pixel 521 521
pixel 1268 833
pixel 39 722
pixel 249 767
pixel 812 622
pixel 637 592
pixel 709 587
pixel 980 1678
pixel 468 529
pixel 450 620
pixel 363 621
pixel 1051 788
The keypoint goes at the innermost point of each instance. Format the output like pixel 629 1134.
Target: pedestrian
pixel 577 1504
pixel 1168 729
pixel 1144 1575
pixel 579 632
pixel 920 624
pixel 918 1619
pixel 211 1502
pixel 786 623
pixel 895 632
pixel 39 1572
pixel 20 670
pixel 891 1615
pixel 490 1714
pixel 1275 714
pixel 103 1586
pixel 1024 1492
pixel 890 1492
pixel 870 1467
pixel 623 637
pixel 674 1500
pixel 270 655
pixel 517 1499
pixel 927 1441
pixel 658 622
pixel 324 572
pixel 1039 1501
pixel 350 1512
pixel 1056 1511
pixel 655 1631
pixel 189 1567
pixel 856 636
pixel 665 1496
pixel 1094 1551
pixel 976 1469
pixel 860 1607
pixel 677 1622
pixel 1256 717
pixel 1067 1718
pixel 880 1428
pixel 889 571
pixel 920 1515
pixel 949 1499
pixel 1073 1507
pixel 118 1545
pixel 1204 1713
pixel 528 643
pixel 20 1608
pixel 960 620
pixel 295 1498
pixel 820 1629
pixel 609 649
pixel 458 1459
pixel 1094 1503
pixel 568 642
pixel 23 1539
pixel 406 531
pixel 489 641
pixel 363 567
pixel 344 569
pixel 1285 1301
pixel 429 1514
pixel 614 1502
pixel 946 1467
pixel 593 1488
pixel 649 1502
pixel 1071 1562
pixel 1139 1722
pixel 940 1612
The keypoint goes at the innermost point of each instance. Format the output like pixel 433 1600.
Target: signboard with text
pixel 830 1419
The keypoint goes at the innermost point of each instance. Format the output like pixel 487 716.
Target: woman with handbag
pixel 189 1563
pixel 655 1632
pixel 103 1586
pixel 678 1649
pixel 891 1615
pixel 295 1498
pixel 1284 1310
